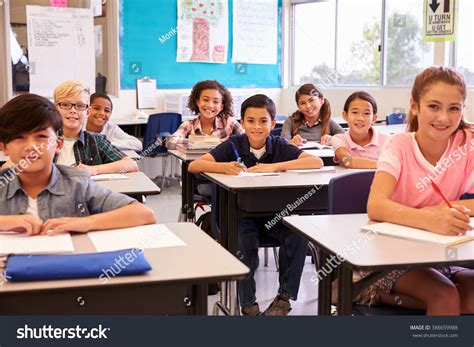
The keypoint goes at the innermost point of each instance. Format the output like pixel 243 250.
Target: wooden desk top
pixel 283 180
pixel 341 235
pixel 201 260
pixel 138 184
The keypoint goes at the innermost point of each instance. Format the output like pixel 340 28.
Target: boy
pixel 92 152
pixel 39 197
pixel 98 122
pixel 258 151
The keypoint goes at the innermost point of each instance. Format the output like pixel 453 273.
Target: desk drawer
pixel 295 200
pixel 106 300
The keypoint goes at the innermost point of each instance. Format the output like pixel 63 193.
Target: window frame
pixel 383 52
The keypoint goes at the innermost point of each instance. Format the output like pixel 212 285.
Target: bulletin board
pixel 142 53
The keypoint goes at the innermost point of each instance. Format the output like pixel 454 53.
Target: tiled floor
pixel 166 206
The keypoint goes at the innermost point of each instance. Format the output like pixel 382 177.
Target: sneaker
pixel 279 307
pixel 252 310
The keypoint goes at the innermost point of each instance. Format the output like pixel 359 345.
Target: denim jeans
pixel 292 255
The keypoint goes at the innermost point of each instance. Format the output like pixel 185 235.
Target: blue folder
pixel 103 265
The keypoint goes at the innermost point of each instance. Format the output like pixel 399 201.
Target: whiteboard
pixel 60 46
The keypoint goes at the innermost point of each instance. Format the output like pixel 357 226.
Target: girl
pixel 98 122
pixel 212 103
pixel 439 148
pixel 360 147
pixel 312 121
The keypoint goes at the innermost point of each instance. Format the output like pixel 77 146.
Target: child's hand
pixel 93 171
pixel 450 221
pixel 297 141
pixel 233 168
pixel 326 140
pixel 65 224
pixel 21 223
pixel 263 168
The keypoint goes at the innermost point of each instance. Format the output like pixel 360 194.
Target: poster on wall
pixel 439 20
pixel 203 33
pixel 255 30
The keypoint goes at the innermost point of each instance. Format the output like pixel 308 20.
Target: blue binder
pixel 22 268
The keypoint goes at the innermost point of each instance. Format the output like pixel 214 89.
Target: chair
pixel 356 185
pixel 276 131
pixel 159 126
pixel 396 118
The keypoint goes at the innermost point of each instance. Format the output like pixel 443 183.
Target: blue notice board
pixel 143 22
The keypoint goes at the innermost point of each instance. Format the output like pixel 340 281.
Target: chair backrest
pixel 276 131
pixel 160 125
pixel 396 118
pixel 349 193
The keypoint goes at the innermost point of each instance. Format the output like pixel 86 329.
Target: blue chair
pixel 281 118
pixel 158 128
pixel 276 132
pixel 349 194
pixel 396 118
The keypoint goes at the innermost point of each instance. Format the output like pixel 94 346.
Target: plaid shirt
pixel 95 149
pixel 223 128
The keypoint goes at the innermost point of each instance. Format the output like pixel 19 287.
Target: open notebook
pixel 313 145
pixel 419 235
pixel 109 177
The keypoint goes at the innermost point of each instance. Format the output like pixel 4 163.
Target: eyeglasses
pixel 69 105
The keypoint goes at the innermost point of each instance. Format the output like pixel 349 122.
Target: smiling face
pixel 209 103
pixel 360 116
pixel 257 123
pixel 73 119
pixel 439 111
pixel 34 152
pixel 310 106
pixel 101 110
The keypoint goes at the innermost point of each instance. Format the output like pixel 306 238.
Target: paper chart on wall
pixel 203 33
pixel 255 31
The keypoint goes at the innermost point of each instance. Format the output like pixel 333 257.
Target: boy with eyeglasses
pixel 87 151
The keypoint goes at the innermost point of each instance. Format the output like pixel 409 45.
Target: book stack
pixel 199 144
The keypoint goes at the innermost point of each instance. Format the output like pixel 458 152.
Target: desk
pixel 3 158
pixel 138 184
pixel 135 127
pixel 267 195
pixel 177 284
pixel 187 204
pixel 326 154
pixel 335 234
pixel 132 154
pixel 392 129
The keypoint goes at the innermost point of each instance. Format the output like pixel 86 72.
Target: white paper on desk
pixel 313 144
pixel 308 171
pixel 256 174
pixel 19 243
pixel 109 177
pixel 142 237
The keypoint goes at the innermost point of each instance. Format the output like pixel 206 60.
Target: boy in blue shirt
pixel 39 197
pixel 258 151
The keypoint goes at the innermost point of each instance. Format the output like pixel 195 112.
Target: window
pixel 339 42
pixel 465 43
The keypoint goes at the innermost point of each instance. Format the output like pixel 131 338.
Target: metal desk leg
pixel 232 223
pixel 324 289
pixel 184 206
pixel 189 195
pixel 345 290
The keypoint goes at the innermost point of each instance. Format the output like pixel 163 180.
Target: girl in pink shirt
pixel 439 147
pixel 360 147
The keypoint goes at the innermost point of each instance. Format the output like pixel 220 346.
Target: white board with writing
pixel 61 47
pixel 255 30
